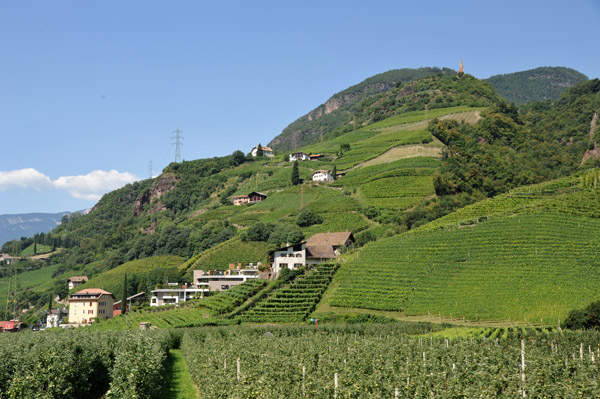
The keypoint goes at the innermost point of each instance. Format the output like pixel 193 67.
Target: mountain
pixel 544 83
pixel 417 153
pixel 28 224
pixel 338 109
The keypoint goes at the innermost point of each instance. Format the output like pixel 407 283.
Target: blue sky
pixel 90 92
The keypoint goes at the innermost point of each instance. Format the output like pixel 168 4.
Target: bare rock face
pixel 161 186
pixel 595 152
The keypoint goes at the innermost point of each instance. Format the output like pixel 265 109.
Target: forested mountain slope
pixel 544 83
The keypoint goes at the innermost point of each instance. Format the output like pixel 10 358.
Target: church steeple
pixel 461 70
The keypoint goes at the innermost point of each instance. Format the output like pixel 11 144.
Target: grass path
pixel 178 384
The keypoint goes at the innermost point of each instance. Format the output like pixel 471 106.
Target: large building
pixel 88 304
pixel 320 248
pixel 175 294
pixel 223 280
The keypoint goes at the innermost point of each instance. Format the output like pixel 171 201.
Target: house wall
pixel 322 177
pixel 81 311
pixel 288 258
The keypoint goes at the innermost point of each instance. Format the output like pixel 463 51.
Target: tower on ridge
pixel 461 70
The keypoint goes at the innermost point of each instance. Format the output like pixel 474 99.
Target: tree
pixel 295 174
pixel 238 158
pixel 334 172
pixel 307 218
pixel 124 297
pixel 259 151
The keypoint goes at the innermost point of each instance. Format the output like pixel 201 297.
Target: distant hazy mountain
pixel 544 83
pixel 27 224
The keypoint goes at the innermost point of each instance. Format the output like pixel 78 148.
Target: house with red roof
pixel 90 303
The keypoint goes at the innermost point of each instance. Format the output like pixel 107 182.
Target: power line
pixel 177 136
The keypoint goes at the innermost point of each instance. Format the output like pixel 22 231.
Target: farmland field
pixel 386 361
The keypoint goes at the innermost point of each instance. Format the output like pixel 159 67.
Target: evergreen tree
pixel 34 247
pixel 295 174
pixel 50 303
pixel 259 151
pixel 124 297
pixel 334 172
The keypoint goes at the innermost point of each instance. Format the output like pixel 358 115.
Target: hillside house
pixel 322 175
pixel 251 198
pixel 299 156
pixel 315 157
pixel 217 281
pixel 175 295
pixel 87 304
pixel 320 248
pixel 134 300
pixel 9 260
pixel 267 152
pixel 76 281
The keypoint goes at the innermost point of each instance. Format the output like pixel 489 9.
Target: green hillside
pixel 442 160
pixel 142 275
pixel 544 83
pixel 529 256
pixel 339 108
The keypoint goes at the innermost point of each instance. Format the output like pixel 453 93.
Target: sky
pixel 91 91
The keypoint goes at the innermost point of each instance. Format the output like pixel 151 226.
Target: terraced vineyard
pixel 194 313
pixel 532 268
pixel 295 301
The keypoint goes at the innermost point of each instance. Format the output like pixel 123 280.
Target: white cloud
pixel 93 185
pixel 89 187
pixel 24 178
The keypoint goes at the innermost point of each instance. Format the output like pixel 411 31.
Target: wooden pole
pixel 523 394
pixel 238 369
pixel 335 385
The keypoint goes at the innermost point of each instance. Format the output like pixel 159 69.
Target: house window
pixel 90 304
pixel 75 312
pixel 283 265
pixel 298 255
pixel 90 311
pixel 297 265
pixel 224 287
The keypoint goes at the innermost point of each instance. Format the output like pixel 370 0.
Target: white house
pixel 320 248
pixel 322 175
pixel 267 152
pixel 299 156
pixel 223 280
pixel 175 295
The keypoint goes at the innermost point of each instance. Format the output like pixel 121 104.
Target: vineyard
pixel 195 312
pixel 531 268
pixel 383 361
pixel 295 301
pixel 83 364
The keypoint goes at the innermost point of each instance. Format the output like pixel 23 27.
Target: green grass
pixel 400 192
pixel 178 384
pixel 533 267
pixel 232 251
pixel 30 279
pixel 41 249
pixel 112 280
pixel 344 221
pixel 417 116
